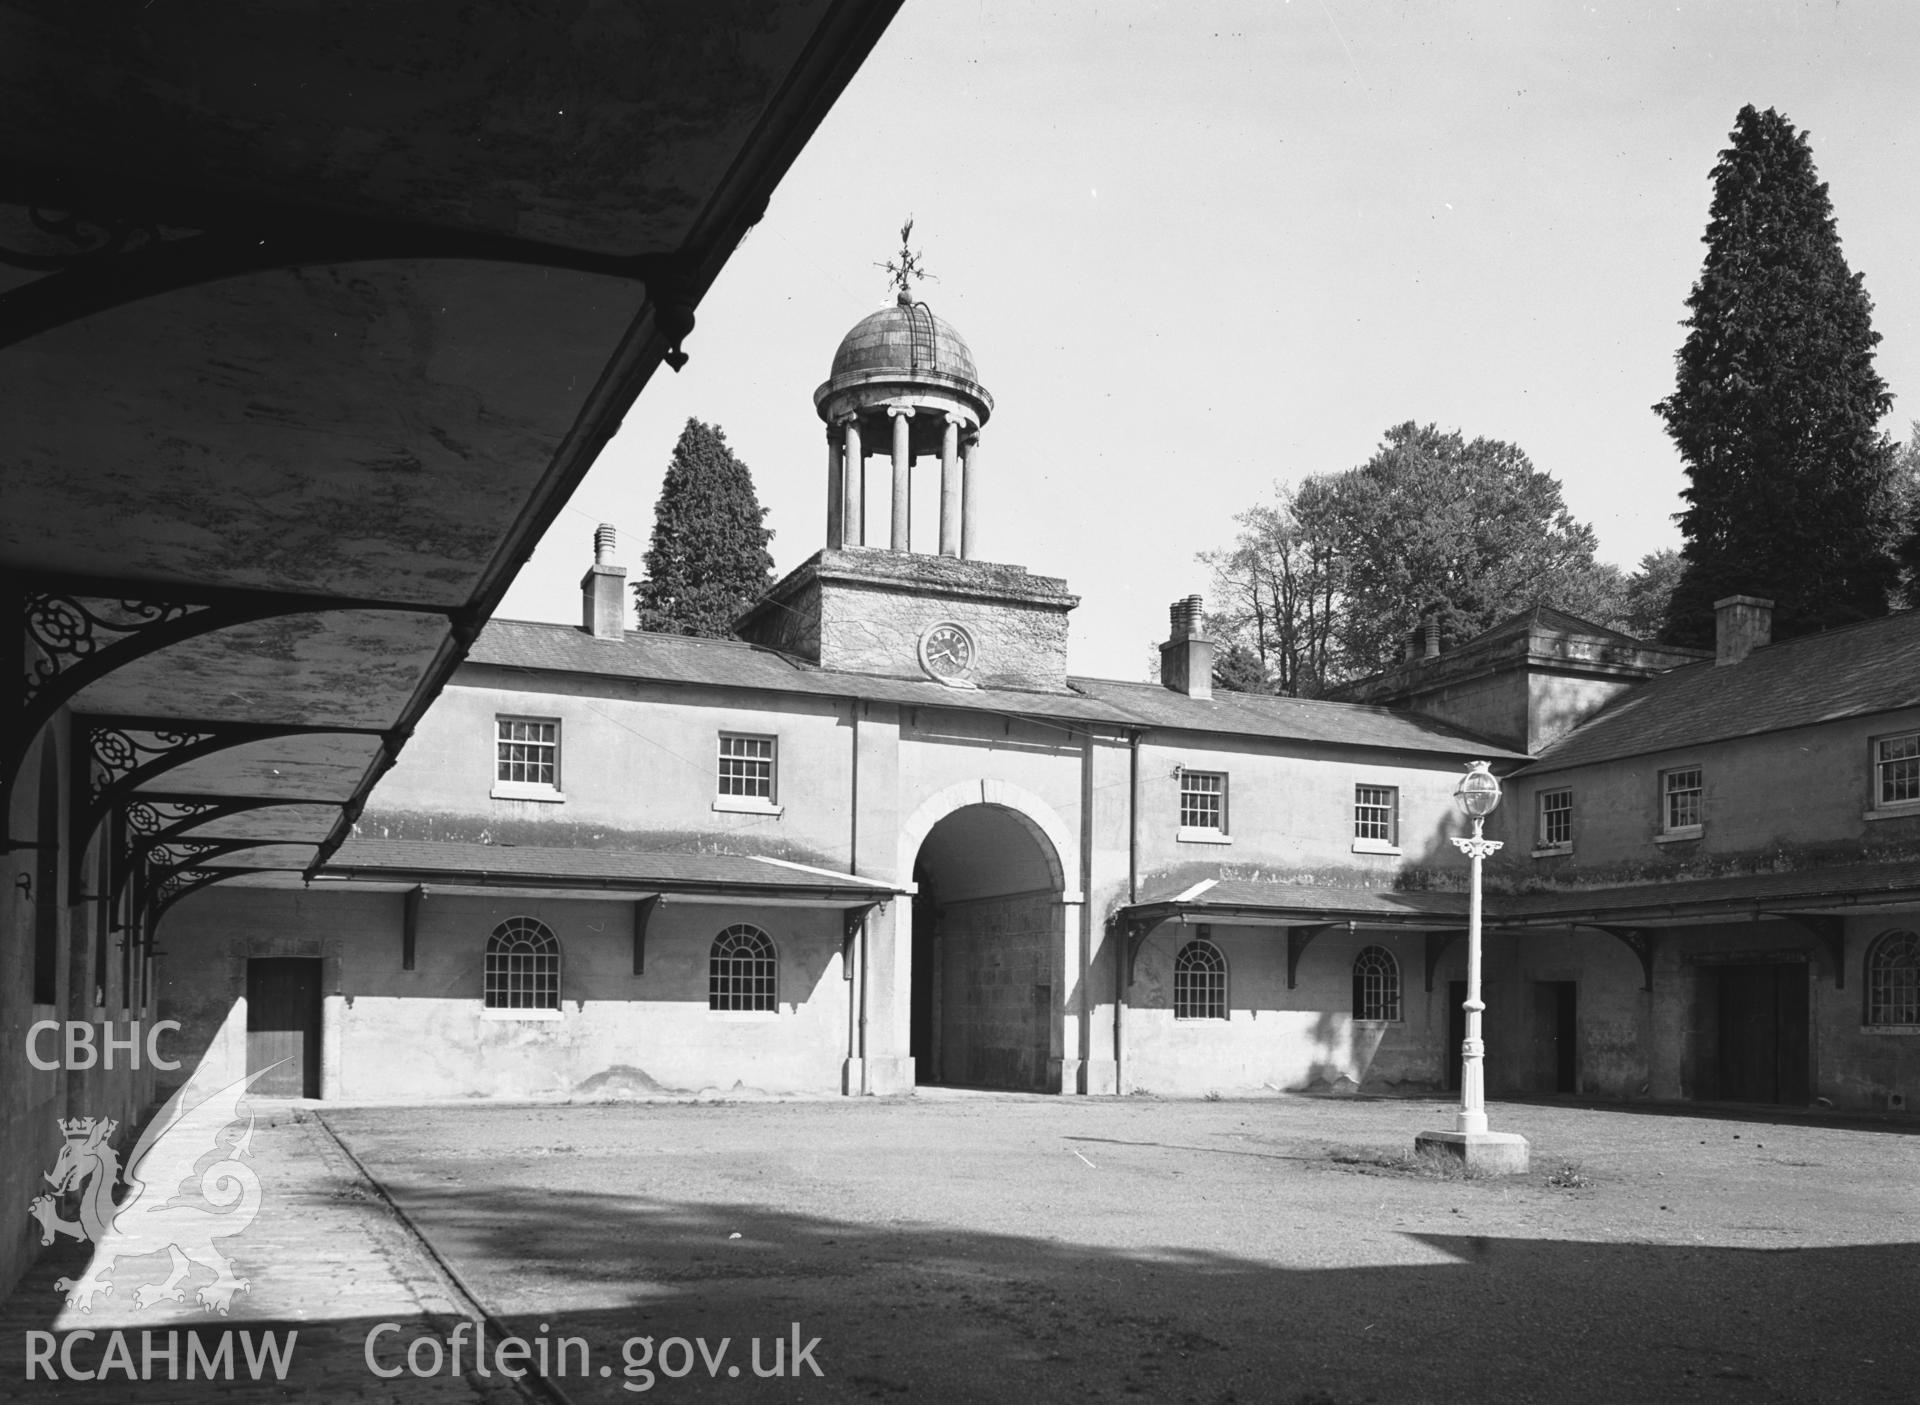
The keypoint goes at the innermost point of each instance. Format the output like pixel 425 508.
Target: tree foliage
pixel 1278 591
pixel 1648 594
pixel 1906 514
pixel 1777 404
pixel 1334 578
pixel 708 560
pixel 1436 527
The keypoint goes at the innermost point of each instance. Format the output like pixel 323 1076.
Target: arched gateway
pixel 988 942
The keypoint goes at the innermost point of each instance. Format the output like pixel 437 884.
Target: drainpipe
pixel 1120 934
pixel 857 984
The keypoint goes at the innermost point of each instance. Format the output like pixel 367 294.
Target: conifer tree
pixel 708 560
pixel 1777 405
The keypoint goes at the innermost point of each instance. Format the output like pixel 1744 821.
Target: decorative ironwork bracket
pixel 1298 940
pixel 114 756
pixel 1639 941
pixel 1830 931
pixel 179 885
pixel 83 629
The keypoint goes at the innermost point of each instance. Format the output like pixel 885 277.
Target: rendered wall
pixel 390 1034
pixel 639 767
pixel 1280 1040
pixel 1291 810
pixel 1825 770
pixel 1615 1018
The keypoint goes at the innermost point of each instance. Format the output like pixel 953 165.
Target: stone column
pixel 902 478
pixel 970 500
pixel 836 508
pixel 950 488
pixel 852 497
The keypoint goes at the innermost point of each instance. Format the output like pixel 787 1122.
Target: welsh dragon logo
pixel 160 1211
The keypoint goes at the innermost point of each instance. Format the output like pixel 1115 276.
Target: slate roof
pixel 1847 672
pixel 1304 719
pixel 1840 887
pixel 1309 900
pixel 526 866
pixel 1547 617
pixel 727 663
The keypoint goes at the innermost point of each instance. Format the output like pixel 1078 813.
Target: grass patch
pixel 1569 1176
pixel 1437 1165
pixel 1422 1165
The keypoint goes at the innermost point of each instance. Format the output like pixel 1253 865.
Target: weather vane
pixel 908 268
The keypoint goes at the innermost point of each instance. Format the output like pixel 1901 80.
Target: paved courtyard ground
pixel 986 1247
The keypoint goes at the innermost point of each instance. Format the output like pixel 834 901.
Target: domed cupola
pixel 904 381
pixel 906 340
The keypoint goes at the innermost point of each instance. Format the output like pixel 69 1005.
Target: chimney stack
pixel 1186 659
pixel 1741 624
pixel 603 590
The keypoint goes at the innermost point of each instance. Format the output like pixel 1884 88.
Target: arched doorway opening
pixel 988 947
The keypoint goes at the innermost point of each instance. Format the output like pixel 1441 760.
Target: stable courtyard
pixel 959 1246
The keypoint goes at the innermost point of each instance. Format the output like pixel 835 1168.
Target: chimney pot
pixel 1433 636
pixel 1186 659
pixel 603 590
pixel 1741 624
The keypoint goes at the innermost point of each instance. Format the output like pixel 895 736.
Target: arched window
pixel 1200 982
pixel 740 971
pixel 1376 985
pixel 523 966
pixel 1893 979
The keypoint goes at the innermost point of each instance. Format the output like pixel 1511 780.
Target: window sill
pixel 1195 834
pixel 744 1016
pixel 747 805
pixel 1376 1024
pixel 1680 836
pixel 1890 1029
pixel 1904 810
pixel 543 1013
pixel 520 790
pixel 1549 851
pixel 1375 846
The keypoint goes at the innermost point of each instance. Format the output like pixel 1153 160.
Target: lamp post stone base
pixel 1483 1153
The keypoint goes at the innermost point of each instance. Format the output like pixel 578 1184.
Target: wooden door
pixel 283 1025
pixel 1762 1056
pixel 1554 1053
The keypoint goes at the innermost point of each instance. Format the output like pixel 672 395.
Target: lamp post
pixel 1477 795
pixel 1497 1153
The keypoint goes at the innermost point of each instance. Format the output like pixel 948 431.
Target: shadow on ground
pixel 918 1311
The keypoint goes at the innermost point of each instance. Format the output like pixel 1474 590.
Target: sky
pixel 1200 249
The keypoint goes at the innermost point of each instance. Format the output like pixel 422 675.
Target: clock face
pixel 947 652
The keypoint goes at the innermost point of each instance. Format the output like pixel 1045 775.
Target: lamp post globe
pixel 1478 794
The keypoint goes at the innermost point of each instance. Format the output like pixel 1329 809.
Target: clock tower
pixel 903 390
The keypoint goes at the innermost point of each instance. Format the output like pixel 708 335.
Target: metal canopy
pixel 311 317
